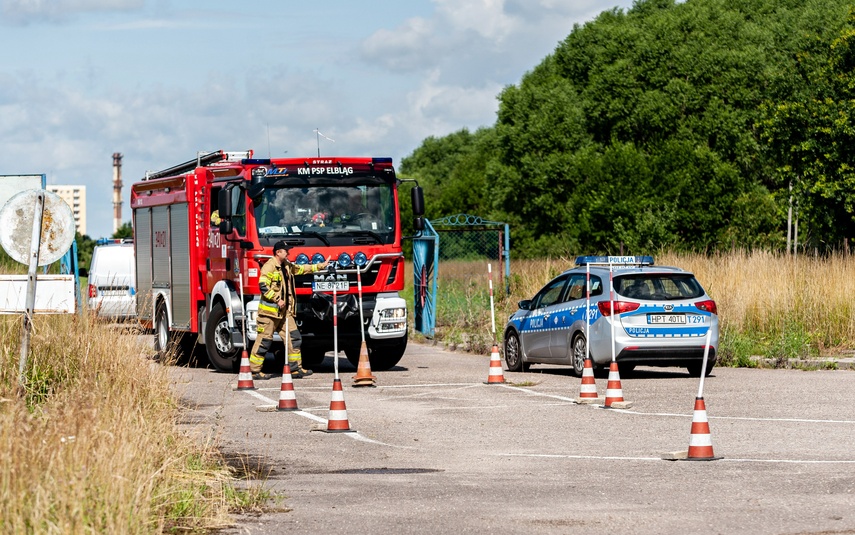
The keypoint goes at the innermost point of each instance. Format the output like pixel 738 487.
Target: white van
pixel 112 280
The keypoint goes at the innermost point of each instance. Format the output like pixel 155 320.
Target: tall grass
pixel 94 445
pixel 772 305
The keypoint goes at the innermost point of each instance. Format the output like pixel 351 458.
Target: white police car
pixel 658 316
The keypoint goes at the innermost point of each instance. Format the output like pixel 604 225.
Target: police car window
pixel 551 293
pixel 596 286
pixel 576 288
pixel 658 286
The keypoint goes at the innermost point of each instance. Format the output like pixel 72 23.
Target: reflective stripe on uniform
pixel 268 308
pixel 255 359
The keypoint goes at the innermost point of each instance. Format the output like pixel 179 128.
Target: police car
pixel 656 316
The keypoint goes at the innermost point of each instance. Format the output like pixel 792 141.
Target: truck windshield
pixel 332 214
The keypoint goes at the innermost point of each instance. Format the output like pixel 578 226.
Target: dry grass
pixel 94 446
pixel 772 305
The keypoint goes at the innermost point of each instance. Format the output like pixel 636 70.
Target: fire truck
pixel 204 228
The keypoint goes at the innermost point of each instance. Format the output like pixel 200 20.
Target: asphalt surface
pixel 438 451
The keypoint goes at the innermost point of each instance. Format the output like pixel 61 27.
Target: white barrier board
pixel 54 294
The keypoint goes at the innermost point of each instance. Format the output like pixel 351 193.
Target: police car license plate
pixel 658 319
pixel 340 286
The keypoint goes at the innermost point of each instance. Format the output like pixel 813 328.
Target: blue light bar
pixel 381 160
pixel 255 161
pixel 615 260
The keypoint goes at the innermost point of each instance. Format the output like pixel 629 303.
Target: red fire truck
pixel 203 229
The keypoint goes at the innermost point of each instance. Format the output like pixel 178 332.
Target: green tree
pixel 812 132
pixel 124 232
pixel 652 128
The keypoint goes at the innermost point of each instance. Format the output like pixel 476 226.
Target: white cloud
pixel 486 18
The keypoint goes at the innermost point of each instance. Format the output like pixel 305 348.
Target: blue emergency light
pixel 615 260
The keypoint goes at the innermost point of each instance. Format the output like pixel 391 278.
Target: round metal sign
pixel 16 226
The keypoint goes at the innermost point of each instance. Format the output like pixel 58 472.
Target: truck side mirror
pixel 418 198
pixel 226 227
pixel 418 201
pixel 224 204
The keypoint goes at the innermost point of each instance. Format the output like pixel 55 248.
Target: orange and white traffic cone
pixel 700 441
pixel 496 375
pixel 363 375
pixel 614 392
pixel 287 399
pixel 337 422
pixel 245 381
pixel 588 390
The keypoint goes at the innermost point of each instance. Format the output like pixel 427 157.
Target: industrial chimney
pixel 117 191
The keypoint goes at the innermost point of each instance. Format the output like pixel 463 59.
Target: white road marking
pixel 624 458
pixel 354 435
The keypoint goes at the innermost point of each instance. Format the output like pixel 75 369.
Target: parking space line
pixel 745 418
pixel 354 435
pixel 625 458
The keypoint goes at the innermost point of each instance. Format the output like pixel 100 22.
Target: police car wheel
pixel 580 352
pixel 694 369
pixel 513 352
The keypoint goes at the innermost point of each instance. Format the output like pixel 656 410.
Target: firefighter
pixel 278 308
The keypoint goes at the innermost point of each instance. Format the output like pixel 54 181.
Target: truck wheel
pixel 384 357
pixel 352 354
pixel 218 341
pixel 161 333
pixel 312 358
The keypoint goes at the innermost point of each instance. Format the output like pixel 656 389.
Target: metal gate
pixel 468 237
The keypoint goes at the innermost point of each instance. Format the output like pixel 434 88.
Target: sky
pixel 160 80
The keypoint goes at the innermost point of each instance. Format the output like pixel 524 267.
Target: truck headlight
pixel 393 319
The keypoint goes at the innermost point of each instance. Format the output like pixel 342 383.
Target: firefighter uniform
pixel 277 311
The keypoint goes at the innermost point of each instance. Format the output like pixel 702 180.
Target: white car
pixel 659 316
pixel 112 280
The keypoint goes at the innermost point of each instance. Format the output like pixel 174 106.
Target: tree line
pixel 686 126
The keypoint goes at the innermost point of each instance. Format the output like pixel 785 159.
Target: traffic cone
pixel 588 390
pixel 337 422
pixel 496 375
pixel 245 374
pixel 700 442
pixel 287 399
pixel 363 375
pixel 614 392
